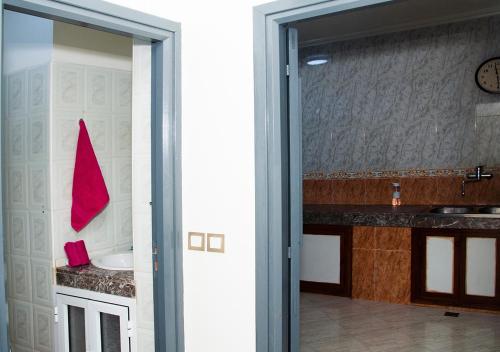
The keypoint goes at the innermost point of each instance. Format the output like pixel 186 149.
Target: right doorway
pixel 394 118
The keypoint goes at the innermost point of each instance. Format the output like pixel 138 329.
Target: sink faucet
pixel 477 176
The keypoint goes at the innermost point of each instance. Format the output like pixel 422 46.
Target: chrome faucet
pixel 475 177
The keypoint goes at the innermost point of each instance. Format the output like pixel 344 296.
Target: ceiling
pixel 397 16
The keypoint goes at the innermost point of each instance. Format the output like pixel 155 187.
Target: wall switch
pixel 215 242
pixel 196 241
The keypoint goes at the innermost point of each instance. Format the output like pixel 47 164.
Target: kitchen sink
pixel 468 211
pixel 117 261
pixel 489 210
pixel 453 210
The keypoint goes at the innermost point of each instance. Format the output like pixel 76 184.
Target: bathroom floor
pixel 338 324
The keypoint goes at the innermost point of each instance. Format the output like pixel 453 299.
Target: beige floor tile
pixel 338 324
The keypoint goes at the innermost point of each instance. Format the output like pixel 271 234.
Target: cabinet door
pixel 456 267
pixel 91 326
pixel 111 323
pixel 326 260
pixel 439 264
pixel 320 258
pixel 481 270
pixel 435 266
pixel 73 334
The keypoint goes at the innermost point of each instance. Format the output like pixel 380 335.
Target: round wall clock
pixel 488 75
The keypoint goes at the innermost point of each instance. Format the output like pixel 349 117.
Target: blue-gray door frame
pixel 166 149
pixel 273 205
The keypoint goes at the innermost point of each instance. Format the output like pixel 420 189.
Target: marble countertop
pixel 90 277
pixel 386 215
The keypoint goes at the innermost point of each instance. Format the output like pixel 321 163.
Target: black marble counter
pixel 386 215
pixel 89 277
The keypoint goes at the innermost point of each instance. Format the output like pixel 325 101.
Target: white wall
pixel 218 167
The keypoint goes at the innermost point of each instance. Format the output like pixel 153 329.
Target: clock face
pixel 488 75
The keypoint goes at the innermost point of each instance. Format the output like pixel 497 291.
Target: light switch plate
pixel 196 241
pixel 215 242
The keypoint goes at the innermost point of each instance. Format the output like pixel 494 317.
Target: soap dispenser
pixel 396 194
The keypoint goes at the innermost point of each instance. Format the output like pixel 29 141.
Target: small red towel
pixel 82 252
pixel 76 253
pixel 90 195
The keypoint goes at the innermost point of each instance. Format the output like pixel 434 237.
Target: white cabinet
pixel 93 322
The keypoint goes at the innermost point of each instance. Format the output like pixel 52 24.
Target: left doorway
pixel 85 73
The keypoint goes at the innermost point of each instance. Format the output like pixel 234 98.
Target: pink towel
pixel 82 252
pixel 76 253
pixel 90 195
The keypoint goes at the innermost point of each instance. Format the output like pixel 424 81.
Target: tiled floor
pixel 336 324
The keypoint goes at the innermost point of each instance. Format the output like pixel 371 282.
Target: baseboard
pixel 325 288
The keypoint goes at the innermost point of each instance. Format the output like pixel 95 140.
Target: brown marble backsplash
pixel 414 191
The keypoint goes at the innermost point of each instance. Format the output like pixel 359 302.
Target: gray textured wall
pixel 402 101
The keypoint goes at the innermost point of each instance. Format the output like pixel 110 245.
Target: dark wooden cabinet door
pixel 435 266
pixel 326 260
pixel 480 272
pixel 456 267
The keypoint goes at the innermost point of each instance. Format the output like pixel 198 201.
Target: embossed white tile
pixel 16 94
pixel 38 89
pixel 38 187
pixel 99 129
pixel 144 295
pixel 42 282
pixel 63 185
pixel 66 130
pixel 99 94
pixel 122 91
pixel 98 234
pixel 122 135
pixel 64 233
pixel 16 140
pixel 68 86
pixel 17 231
pixel 37 138
pixel 43 329
pixel 123 222
pixel 20 276
pixel 105 164
pixel 17 186
pixel 100 230
pixel 22 323
pixel 122 178
pixel 17 348
pixel 40 244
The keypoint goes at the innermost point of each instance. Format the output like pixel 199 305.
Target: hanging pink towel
pixel 90 195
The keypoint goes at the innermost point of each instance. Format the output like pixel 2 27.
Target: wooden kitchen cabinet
pixel 456 267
